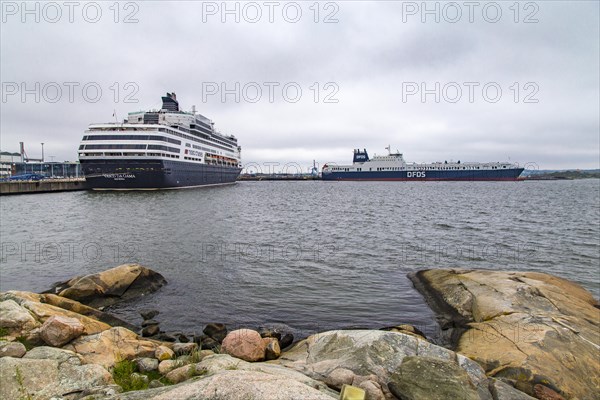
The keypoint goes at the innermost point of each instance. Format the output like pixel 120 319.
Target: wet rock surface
pixel 125 282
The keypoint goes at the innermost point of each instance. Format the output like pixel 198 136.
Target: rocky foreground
pixel 53 346
pixel 535 330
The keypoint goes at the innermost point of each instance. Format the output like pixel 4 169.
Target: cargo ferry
pixel 392 167
pixel 160 149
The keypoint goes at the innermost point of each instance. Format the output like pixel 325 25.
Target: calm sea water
pixel 312 255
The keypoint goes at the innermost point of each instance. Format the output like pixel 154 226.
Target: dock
pixel 278 177
pixel 42 186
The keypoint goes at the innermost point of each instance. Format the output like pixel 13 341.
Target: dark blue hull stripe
pixel 458 175
pixel 154 174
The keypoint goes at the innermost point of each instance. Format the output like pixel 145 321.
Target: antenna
pixel 194 110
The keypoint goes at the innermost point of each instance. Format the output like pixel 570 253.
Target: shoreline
pixel 54 332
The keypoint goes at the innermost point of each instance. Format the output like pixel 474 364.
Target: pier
pixel 278 177
pixel 42 186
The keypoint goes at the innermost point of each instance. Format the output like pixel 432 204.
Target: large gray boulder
pixel 359 356
pixel 15 318
pixel 226 377
pixel 47 378
pixel 428 378
pixel 52 353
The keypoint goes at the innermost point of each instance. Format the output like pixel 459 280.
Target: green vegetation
pixel 233 366
pixel 196 372
pixel 25 342
pixel 122 375
pixel 20 382
pixel 3 332
pixel 195 357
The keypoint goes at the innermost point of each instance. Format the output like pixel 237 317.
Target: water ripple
pixel 312 255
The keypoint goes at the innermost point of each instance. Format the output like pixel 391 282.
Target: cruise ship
pixel 392 167
pixel 160 149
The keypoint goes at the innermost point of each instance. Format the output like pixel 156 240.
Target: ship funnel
pixel 170 103
pixel 360 156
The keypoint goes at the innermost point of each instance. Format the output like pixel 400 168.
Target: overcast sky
pixel 361 68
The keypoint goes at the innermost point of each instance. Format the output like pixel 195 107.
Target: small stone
pixel 272 350
pixel 58 330
pixel 542 392
pixel 504 391
pixel 216 331
pixel 149 322
pixel 209 344
pixel 198 338
pixel 102 391
pixel 167 366
pixel 184 348
pixel 372 389
pixel 245 344
pixel 182 338
pixel 149 314
pixel 155 384
pixel 146 364
pixel 186 359
pixel 340 377
pixel 12 349
pixel 286 340
pixel 202 354
pixel 166 337
pixel 150 330
pixel 269 333
pixel 139 377
pixel 183 373
pixel 164 353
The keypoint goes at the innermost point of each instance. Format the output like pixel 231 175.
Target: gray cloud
pixel 369 54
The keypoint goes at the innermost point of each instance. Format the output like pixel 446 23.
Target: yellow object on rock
pixel 352 393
